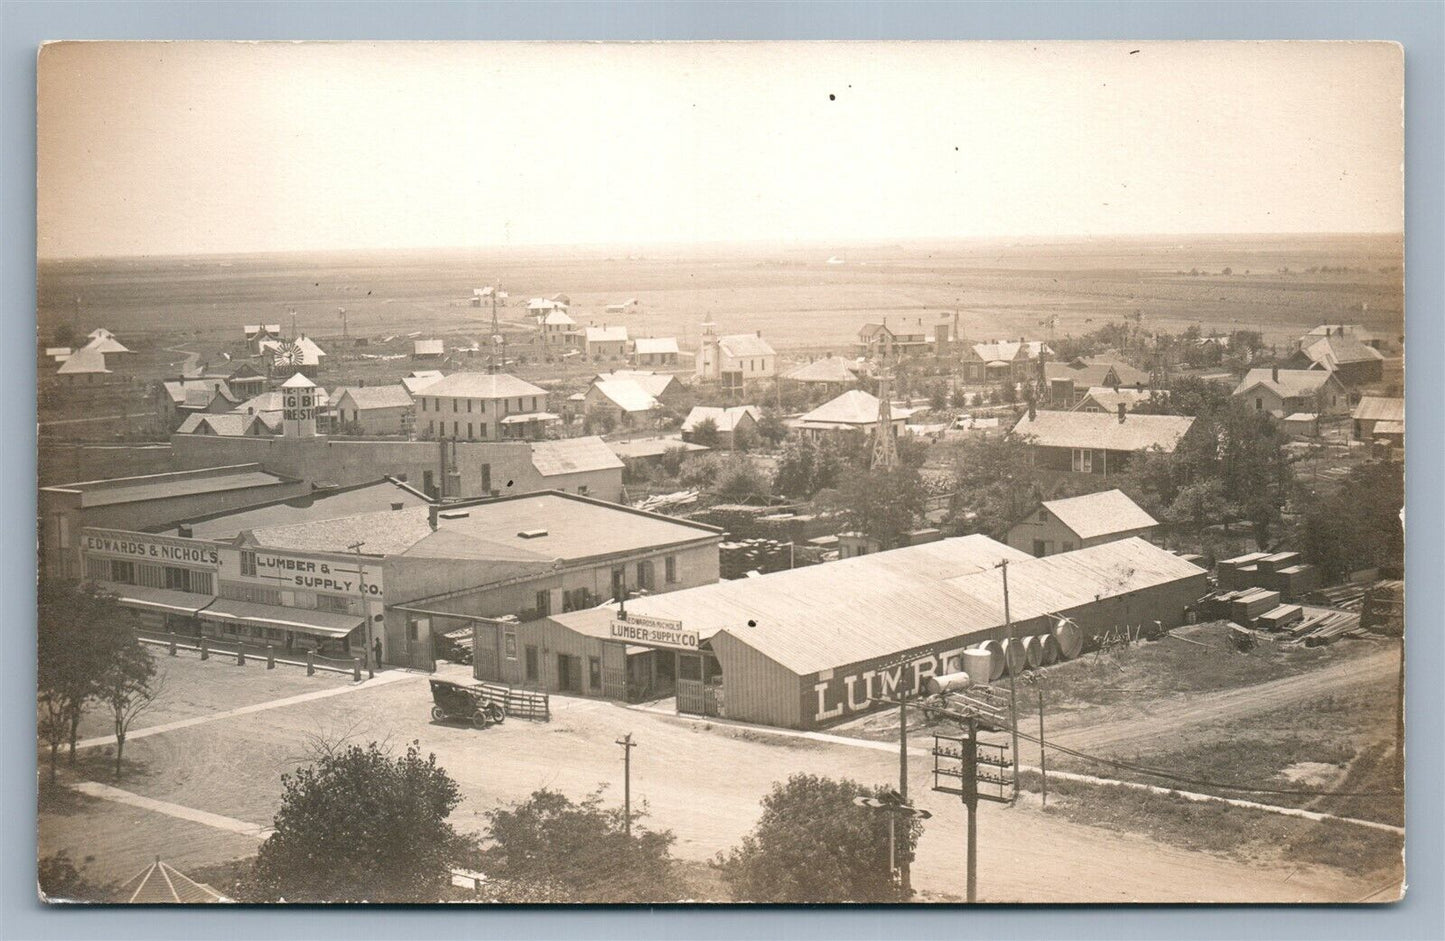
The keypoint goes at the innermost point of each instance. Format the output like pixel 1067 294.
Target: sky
pixel 194 148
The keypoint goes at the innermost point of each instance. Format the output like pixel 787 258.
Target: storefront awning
pixel 325 623
pixel 159 599
pixel 530 416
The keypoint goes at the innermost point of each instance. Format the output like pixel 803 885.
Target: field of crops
pixel 792 294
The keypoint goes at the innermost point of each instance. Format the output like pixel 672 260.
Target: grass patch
pixel 1221 829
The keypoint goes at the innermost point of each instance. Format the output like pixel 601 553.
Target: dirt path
pixel 1102 730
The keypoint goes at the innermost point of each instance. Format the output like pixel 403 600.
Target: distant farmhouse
pixel 1068 382
pixel 730 423
pixel 655 351
pixel 851 417
pixel 1003 360
pixel 1352 362
pixel 833 373
pixel 904 339
pixel 376 410
pixel 605 342
pixel 1284 392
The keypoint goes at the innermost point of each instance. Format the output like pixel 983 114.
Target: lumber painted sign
pixel 654 632
pixel 339 575
pixel 854 689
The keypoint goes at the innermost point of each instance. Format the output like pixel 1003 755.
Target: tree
pixel 745 438
pixel 578 852
pixel 704 433
pixel 64 335
pixel 1359 526
pixel 995 484
pixel 128 685
pixel 362 826
pixel 815 845
pixel 938 396
pixel 60 880
pixel 884 503
pixel 771 427
pixel 1200 504
pixel 672 460
pixel 79 628
pixel 806 467
pixel 739 479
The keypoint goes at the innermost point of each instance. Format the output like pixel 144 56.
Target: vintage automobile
pixel 454 702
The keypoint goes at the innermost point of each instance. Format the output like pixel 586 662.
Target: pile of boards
pixel 1324 627
pixel 1284 572
pixel 662 502
pixel 738 557
pixel 1258 608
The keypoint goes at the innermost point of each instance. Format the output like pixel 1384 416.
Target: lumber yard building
pixel 804 647
pixel 381 563
pixel 145 501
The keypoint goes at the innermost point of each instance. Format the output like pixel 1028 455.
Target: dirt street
pixel 701 782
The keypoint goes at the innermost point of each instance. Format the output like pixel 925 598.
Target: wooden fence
pixel 519 703
pixel 208 647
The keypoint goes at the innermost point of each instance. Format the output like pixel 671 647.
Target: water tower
pixel 298 407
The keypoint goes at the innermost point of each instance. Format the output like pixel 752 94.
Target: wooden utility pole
pixel 1043 760
pixel 365 607
pixel 1013 700
pixel 904 875
pixel 627 745
pixel 970 801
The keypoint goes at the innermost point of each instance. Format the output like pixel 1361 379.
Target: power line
pixel 1198 782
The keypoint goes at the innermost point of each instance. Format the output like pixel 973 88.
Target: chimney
pixel 431 516
pixel 1274 373
pixel 1123 410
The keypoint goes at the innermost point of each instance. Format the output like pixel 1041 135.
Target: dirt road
pixel 1103 730
pixel 703 783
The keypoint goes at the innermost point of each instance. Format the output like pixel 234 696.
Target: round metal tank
pixel 983 662
pixel 1070 638
pixel 1051 649
pixel 1014 657
pixel 947 683
pixel 1033 652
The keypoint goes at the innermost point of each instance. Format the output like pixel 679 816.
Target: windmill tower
pixel 496 347
pixel 885 448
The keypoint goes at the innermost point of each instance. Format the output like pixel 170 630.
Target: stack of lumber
pixel 740 556
pixel 1280 617
pixel 1348 596
pixel 1250 604
pixel 1324 627
pixel 1239 571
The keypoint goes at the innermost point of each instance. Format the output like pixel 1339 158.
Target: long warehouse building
pixel 806 647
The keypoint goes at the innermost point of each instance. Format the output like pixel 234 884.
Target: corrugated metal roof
pixel 834 614
pixel 1100 431
pixel 481 385
pixel 1070 579
pixel 577 528
pixel 352 501
pixel 165 486
pixel 1098 514
pixel 573 456
pixel 1377 408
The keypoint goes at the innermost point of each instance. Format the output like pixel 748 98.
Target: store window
pixel 123 572
pixel 645 575
pixel 248 563
pixel 1083 461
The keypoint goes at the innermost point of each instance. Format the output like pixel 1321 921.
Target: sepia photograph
pixel 709 473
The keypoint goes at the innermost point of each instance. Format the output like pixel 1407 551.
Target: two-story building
pixel 605 342
pixel 735 360
pixel 1002 360
pixel 1285 392
pixel 473 406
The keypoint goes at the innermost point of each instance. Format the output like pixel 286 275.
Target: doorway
pixel 569 673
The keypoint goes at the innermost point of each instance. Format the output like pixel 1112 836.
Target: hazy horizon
pixel 150 149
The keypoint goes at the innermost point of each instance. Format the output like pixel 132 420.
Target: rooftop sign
pixel 654 632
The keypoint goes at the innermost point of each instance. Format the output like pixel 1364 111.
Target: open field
pixel 701 780
pixel 798 301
